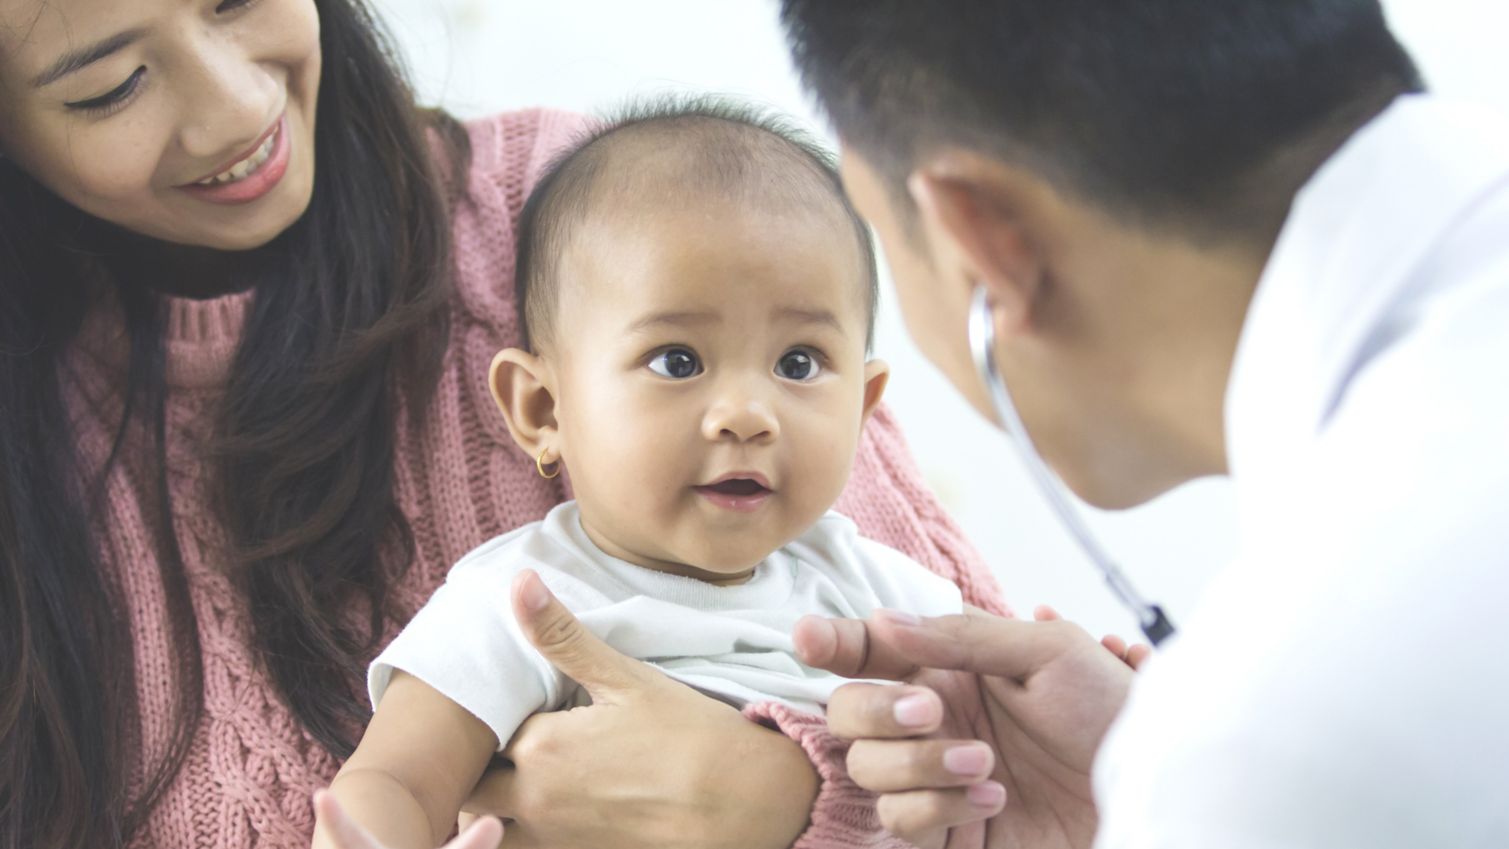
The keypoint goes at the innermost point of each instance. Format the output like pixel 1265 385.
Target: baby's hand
pixel 1132 654
pixel 335 829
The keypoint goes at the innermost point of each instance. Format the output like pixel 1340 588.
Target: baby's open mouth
pixel 739 487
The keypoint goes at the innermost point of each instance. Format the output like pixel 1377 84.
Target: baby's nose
pixel 740 420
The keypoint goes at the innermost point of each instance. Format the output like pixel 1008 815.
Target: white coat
pixel 1345 682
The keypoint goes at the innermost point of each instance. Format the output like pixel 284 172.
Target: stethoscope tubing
pixel 1151 619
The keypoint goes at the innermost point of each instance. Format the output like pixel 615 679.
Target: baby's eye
pixel 798 364
pixel 676 363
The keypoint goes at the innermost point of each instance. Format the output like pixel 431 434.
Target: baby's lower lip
pixel 737 503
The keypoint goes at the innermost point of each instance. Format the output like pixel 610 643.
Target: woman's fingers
pixel 891 766
pixel 483 833
pixel 878 710
pixel 342 830
pixel 578 653
pixel 914 814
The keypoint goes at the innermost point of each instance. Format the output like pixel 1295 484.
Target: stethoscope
pixel 1150 617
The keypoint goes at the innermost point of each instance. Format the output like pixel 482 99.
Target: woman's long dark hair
pixel 352 315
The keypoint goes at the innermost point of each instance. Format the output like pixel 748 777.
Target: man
pixel 1218 237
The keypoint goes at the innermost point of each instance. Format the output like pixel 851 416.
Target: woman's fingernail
pixel 972 759
pixel 533 593
pixel 916 711
pixel 986 794
pixel 897 617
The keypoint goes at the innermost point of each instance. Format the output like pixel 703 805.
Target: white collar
pixel 1348 256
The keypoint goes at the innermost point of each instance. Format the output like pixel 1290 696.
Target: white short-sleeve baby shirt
pixel 731 642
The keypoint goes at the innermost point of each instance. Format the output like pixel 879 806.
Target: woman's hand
pixel 1041 694
pixel 335 829
pixel 650 763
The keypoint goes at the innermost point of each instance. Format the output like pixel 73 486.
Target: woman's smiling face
pixel 188 121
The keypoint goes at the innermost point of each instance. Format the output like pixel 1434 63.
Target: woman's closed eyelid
pixel 118 97
pixel 114 98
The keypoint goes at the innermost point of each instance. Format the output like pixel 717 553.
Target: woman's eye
pixel 676 363
pixel 112 98
pixel 229 5
pixel 798 365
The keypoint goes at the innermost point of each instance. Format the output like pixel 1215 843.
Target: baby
pixel 698 300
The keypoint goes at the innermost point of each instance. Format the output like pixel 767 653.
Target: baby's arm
pixel 417 762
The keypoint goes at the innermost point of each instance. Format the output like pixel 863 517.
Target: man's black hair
pixel 718 146
pixel 1200 115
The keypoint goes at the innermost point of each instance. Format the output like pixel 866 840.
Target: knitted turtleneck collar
pixel 200 336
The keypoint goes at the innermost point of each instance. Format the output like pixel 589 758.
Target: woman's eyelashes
pixel 114 99
pixel 232 5
pixel 117 98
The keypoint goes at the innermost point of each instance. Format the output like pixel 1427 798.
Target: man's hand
pixel 1041 694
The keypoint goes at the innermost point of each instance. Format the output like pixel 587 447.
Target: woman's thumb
pixel 567 644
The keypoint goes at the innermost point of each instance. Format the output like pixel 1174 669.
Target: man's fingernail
pixel 533 593
pixel 972 759
pixel 897 617
pixel 916 711
pixel 986 794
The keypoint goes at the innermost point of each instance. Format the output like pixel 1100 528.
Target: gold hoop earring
pixel 539 466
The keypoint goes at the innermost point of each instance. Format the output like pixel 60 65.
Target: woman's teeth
pixel 241 169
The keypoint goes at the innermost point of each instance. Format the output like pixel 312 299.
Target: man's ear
pixel 877 375
pixel 524 389
pixel 969 204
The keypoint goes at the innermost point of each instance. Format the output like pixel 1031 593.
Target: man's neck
pixel 1213 289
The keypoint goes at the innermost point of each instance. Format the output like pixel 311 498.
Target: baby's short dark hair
pixel 722 146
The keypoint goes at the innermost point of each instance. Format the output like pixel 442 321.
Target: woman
pixel 250 293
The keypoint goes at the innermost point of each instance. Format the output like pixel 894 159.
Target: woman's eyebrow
pixel 79 59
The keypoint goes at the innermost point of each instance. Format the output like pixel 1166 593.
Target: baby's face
pixel 711 381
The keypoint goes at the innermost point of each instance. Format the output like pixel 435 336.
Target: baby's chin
pixel 726 566
pixel 718 563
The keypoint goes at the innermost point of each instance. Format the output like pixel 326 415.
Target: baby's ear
pixel 524 389
pixel 877 375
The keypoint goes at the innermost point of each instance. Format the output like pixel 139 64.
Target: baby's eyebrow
pixel 806 316
pixel 674 319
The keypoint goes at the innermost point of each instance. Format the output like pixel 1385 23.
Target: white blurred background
pixel 475 57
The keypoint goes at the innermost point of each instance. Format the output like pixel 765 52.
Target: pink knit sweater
pixel 251 769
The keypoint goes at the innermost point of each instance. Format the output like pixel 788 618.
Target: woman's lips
pixel 258 182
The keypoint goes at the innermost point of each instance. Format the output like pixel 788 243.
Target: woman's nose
pixel 740 416
pixel 228 104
